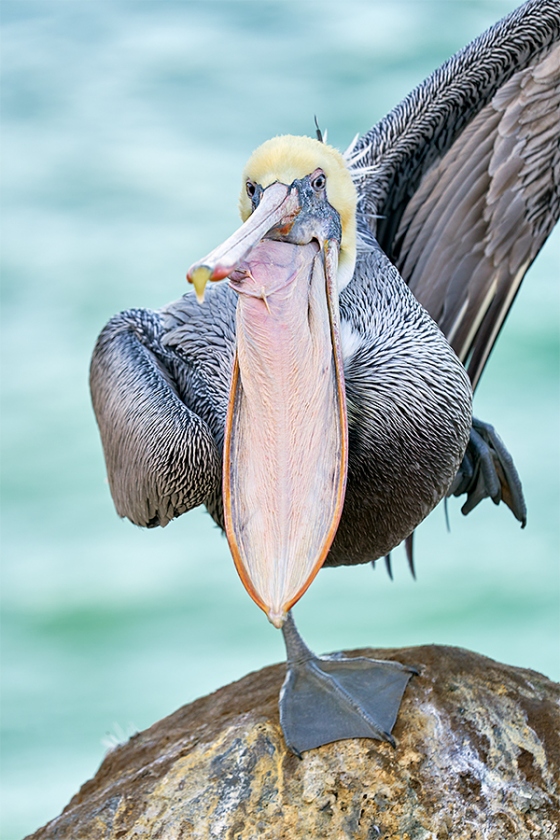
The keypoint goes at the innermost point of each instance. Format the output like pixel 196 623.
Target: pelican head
pixel 288 159
pixel 285 449
pixel 313 184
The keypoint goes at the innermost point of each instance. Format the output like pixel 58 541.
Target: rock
pixel 478 756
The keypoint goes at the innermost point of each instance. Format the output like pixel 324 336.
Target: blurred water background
pixel 126 124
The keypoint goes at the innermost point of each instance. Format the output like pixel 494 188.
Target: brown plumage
pixel 464 175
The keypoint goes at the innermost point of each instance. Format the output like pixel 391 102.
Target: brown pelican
pixel 318 402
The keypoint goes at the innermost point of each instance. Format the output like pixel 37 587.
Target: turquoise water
pixel 126 125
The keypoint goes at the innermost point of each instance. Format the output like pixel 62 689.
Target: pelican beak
pixel 285 449
pixel 279 206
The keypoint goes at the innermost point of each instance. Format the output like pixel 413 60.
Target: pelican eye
pixel 251 189
pixel 319 183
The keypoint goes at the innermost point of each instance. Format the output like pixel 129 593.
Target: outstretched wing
pixel 464 177
pixel 161 456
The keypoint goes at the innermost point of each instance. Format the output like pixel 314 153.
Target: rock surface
pixel 478 756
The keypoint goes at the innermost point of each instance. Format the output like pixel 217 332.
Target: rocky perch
pixel 478 756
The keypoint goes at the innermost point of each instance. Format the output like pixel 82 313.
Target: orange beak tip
pixel 199 277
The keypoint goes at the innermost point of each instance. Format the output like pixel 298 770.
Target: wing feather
pixel 161 457
pixel 465 177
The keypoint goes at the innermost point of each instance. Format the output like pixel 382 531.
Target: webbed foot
pixel 488 470
pixel 332 698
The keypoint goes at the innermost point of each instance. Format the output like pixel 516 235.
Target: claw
pixel 487 468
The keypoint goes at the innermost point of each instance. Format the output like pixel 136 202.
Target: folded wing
pixel 161 457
